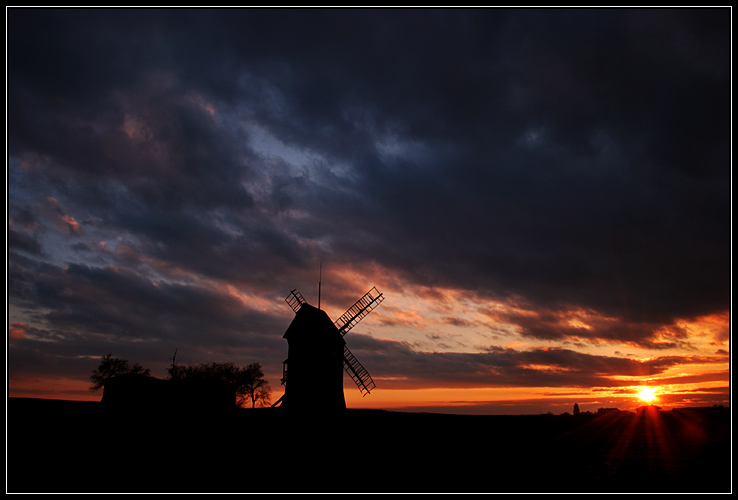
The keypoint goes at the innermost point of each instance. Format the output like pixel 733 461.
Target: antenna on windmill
pixel 320 279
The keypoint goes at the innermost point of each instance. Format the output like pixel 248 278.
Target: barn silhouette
pixel 136 391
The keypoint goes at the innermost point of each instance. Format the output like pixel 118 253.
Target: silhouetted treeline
pixel 214 385
pixel 248 381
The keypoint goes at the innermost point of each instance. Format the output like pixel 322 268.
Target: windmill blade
pixel 295 300
pixel 357 372
pixel 361 308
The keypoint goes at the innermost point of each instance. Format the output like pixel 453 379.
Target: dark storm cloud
pixel 85 311
pixel 22 241
pixel 562 158
pixel 117 302
pixel 548 325
pixel 540 153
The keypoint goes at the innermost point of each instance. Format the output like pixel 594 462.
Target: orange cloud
pixel 72 224
pixel 17 330
pixel 399 317
pixel 714 326
pixel 57 214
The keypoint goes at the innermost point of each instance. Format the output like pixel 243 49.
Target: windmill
pixel 317 354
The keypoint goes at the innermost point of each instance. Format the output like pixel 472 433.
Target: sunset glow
pixel 544 231
pixel 647 394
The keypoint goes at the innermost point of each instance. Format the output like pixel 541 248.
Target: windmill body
pixel 314 365
pixel 317 354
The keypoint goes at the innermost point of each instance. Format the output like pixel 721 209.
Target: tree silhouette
pixel 255 387
pixel 110 367
pixel 248 381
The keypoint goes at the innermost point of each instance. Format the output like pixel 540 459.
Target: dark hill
pixel 63 446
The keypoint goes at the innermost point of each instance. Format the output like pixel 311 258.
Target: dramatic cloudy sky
pixel 543 197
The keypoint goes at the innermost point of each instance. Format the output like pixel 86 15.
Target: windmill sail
pixel 361 308
pixel 295 300
pixel 357 372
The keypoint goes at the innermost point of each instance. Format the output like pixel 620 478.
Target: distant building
pixel 608 410
pixel 576 409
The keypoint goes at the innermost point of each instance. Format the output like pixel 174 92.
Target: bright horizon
pixel 697 381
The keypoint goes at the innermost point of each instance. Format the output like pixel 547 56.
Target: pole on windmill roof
pixel 320 279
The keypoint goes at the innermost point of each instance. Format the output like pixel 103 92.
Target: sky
pixel 543 196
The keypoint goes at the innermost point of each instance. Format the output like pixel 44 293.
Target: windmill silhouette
pixel 317 354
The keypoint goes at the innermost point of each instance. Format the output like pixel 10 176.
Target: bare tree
pixel 254 386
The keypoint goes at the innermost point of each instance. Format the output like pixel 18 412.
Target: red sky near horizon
pixel 556 374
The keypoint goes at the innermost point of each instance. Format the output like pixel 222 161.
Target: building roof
pixel 315 323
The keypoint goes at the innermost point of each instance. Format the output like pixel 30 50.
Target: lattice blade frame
pixel 295 300
pixel 357 372
pixel 359 310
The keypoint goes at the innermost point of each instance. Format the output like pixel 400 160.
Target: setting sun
pixel 647 394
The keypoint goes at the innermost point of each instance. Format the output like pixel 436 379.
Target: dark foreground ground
pixel 63 446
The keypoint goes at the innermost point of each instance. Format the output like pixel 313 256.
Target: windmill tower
pixel 317 354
